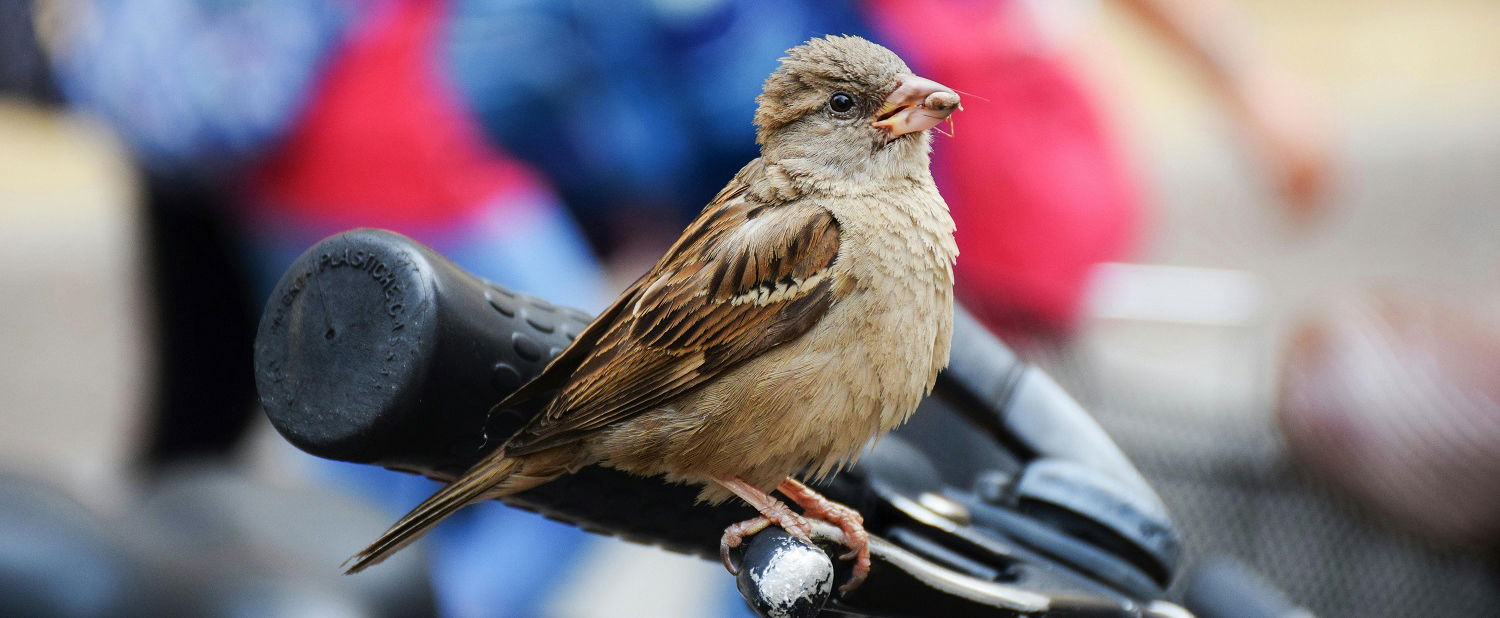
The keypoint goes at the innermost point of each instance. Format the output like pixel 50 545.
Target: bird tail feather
pixel 488 479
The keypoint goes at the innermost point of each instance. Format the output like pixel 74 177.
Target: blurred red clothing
pixel 1038 187
pixel 386 141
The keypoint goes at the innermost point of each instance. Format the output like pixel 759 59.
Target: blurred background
pixel 1256 239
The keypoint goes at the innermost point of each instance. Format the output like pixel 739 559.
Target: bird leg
pixel 817 506
pixel 772 511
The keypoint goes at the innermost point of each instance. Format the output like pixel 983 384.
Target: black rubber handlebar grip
pixel 369 350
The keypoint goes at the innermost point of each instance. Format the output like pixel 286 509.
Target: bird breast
pixel 812 403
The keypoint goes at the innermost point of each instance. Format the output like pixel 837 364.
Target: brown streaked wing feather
pixel 568 361
pixel 705 308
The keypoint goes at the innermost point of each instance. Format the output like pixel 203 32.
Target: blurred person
pixel 1040 186
pixel 262 127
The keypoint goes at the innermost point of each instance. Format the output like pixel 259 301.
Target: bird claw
pixel 858 542
pixel 735 535
pixel 778 514
pixel 861 557
pixel 847 519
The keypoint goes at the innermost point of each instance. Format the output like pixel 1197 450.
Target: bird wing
pixel 745 277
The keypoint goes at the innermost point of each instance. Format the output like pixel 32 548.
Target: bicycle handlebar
pixel 375 349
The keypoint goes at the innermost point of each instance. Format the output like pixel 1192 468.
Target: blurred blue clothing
pixel 195 88
pixel 629 104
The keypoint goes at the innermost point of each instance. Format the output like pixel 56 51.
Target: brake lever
pixel 375 349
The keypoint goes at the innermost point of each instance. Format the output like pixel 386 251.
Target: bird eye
pixel 840 102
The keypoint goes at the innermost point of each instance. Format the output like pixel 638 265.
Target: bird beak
pixel 917 104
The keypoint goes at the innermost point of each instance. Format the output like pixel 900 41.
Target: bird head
pixel 846 107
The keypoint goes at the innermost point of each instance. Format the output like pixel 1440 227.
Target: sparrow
pixel 806 310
